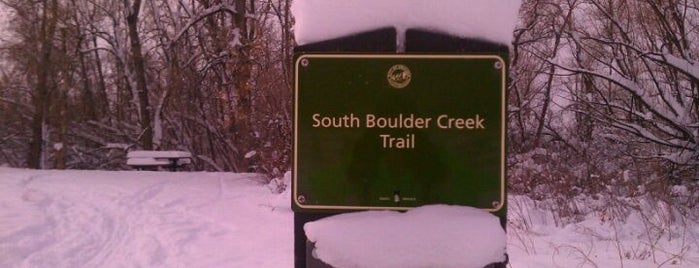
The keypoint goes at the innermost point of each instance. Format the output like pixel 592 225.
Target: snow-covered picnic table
pixel 169 159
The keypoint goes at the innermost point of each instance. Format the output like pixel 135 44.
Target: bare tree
pixel 38 29
pixel 645 77
pixel 208 76
pixel 132 13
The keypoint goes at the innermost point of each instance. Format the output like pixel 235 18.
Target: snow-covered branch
pixel 687 67
pixel 670 113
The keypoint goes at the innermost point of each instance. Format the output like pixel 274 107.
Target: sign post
pixel 378 129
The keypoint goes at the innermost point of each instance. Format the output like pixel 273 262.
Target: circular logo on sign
pixel 399 76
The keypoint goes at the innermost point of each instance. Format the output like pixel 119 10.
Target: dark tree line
pixel 83 81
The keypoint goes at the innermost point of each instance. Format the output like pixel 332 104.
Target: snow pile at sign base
pixel 492 20
pixel 429 236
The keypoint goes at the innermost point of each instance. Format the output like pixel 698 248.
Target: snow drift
pixel 429 236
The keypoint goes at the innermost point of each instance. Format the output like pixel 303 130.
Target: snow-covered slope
pixel 164 219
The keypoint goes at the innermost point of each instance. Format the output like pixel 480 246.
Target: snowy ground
pixel 141 219
pixel 641 240
pixel 163 219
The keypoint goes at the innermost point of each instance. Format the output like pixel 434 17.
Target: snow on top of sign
pixel 492 20
pixel 429 236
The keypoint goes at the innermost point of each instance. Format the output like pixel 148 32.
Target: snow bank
pixel 602 237
pixel 429 236
pixel 318 20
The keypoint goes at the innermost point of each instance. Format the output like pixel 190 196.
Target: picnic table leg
pixel 173 167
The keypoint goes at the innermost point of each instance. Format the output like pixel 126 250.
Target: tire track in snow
pixel 125 220
pixel 21 204
pixel 160 228
pixel 17 244
pixel 70 230
pixel 74 227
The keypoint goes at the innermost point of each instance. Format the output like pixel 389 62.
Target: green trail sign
pixel 398 131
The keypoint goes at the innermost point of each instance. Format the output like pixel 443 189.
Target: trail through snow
pixel 140 219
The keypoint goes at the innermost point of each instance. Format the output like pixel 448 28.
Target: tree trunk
pixel 140 72
pixel 40 97
pixel 87 96
pixel 242 75
pixel 102 102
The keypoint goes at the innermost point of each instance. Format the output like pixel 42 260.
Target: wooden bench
pixel 167 159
